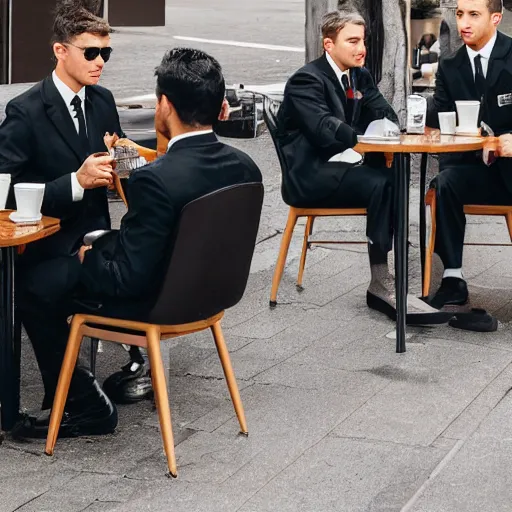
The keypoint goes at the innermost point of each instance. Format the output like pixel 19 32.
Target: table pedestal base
pixel 401 236
pixel 10 343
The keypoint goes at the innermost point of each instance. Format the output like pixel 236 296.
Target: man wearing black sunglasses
pixel 50 135
pixel 92 52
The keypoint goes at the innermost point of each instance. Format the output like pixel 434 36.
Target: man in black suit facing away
pixel 326 104
pixel 480 70
pixel 128 264
pixel 50 135
pixel 121 273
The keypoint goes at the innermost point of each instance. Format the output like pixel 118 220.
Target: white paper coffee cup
pixel 447 122
pixel 427 71
pixel 467 112
pixel 29 199
pixel 5 183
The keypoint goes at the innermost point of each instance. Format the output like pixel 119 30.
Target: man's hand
pixel 96 171
pixel 224 111
pixel 505 145
pixel 82 251
pixel 110 140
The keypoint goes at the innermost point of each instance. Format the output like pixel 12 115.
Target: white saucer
pixel 15 217
pixel 471 133
pixel 376 139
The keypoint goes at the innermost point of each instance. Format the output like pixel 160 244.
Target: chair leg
pixel 430 200
pixel 305 246
pixel 283 252
pixel 92 355
pixel 225 360
pixel 509 224
pixel 161 397
pixel 66 373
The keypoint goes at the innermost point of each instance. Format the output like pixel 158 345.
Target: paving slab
pixel 27 486
pixel 478 476
pixel 343 474
pixel 80 492
pixel 427 391
pixel 337 419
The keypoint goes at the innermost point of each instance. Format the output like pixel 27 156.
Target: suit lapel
pixel 58 114
pixel 498 60
pixel 327 70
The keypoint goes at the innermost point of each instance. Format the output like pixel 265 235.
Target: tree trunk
pixel 315 9
pixel 393 84
pixel 449 39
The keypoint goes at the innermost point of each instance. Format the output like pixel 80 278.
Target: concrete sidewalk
pixel 338 421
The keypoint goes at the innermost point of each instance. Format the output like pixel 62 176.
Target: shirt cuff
pixel 76 189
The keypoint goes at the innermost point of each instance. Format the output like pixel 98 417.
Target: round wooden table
pixel 12 236
pixel 432 142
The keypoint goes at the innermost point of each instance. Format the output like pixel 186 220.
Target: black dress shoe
pixel 452 292
pixel 88 412
pixel 89 422
pixel 477 320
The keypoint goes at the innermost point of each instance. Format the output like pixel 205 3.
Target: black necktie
pixel 479 77
pixel 76 103
pixel 350 101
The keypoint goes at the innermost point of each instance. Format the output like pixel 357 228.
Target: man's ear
pixel 328 44
pixel 59 50
pixel 496 18
pixel 165 106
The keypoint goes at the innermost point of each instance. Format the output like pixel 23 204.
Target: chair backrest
pixel 270 109
pixel 211 258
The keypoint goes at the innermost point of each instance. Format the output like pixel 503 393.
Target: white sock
pixel 453 272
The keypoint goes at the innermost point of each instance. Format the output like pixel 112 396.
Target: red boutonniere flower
pixel 354 95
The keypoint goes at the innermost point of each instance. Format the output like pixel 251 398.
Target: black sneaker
pixel 132 384
pixel 452 292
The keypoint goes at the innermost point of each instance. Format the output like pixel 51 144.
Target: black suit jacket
pixel 312 128
pixel 455 81
pixel 39 143
pixel 130 263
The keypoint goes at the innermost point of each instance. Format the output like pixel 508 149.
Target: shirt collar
pixel 336 69
pixel 185 135
pixel 67 93
pixel 486 51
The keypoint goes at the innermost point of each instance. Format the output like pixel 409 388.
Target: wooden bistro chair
pixel 207 273
pixel 472 209
pixel 270 108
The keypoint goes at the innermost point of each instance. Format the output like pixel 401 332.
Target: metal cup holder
pixel 245 115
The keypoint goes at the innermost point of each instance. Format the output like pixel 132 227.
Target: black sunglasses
pixel 92 52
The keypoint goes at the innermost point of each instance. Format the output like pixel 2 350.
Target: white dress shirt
pixel 68 96
pixel 337 70
pixel 349 156
pixel 485 53
pixel 185 135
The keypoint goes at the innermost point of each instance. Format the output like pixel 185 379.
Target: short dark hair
pixel 193 82
pixel 73 18
pixel 495 6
